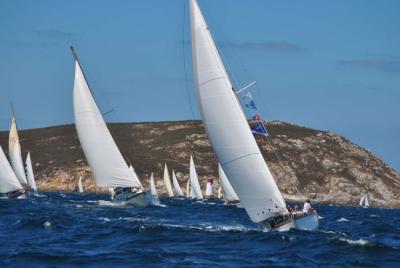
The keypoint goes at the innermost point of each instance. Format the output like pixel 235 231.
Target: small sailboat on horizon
pixel 80 185
pixel 177 187
pixel 30 175
pixel 364 201
pixel 105 160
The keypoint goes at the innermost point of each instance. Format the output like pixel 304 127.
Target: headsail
pixel 135 176
pixel 177 187
pixel 194 180
pixel 366 203
pixel 362 200
pixel 105 160
pixel 80 185
pixel 153 188
pixel 167 182
pixel 8 181
pixel 227 191
pixel 228 129
pixel 29 173
pixel 188 188
pixel 14 150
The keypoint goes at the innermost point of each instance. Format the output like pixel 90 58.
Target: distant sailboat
pixel 228 193
pixel 10 186
pixel 230 135
pixel 14 150
pixel 177 187
pixel 153 189
pixel 194 181
pixel 167 182
pixel 364 201
pixel 80 185
pixel 105 160
pixel 29 174
pixel 210 189
pixel 219 195
pixel 188 188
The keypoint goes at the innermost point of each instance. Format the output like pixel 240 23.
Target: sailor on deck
pixel 307 207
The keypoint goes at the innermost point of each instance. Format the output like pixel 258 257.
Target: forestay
pixel 8 181
pixel 228 129
pixel 105 160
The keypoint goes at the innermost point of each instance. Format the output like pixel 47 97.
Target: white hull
pixel 307 223
pixel 140 199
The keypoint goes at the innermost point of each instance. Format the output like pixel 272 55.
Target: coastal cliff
pixel 308 163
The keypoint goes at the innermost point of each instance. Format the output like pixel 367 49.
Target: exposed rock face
pixel 307 163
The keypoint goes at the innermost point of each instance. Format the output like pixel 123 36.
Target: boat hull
pixel 139 199
pixel 308 222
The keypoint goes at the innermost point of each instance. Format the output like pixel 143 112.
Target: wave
pixel 204 228
pixel 343 220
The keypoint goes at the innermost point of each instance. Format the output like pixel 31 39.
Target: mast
pixel 227 127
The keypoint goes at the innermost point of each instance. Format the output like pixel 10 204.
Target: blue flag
pixel 251 103
pixel 259 129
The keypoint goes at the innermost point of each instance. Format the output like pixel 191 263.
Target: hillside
pixel 317 164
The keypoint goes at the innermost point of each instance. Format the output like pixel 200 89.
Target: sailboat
pixel 177 187
pixel 29 174
pixel 364 201
pixel 219 195
pixel 210 189
pixel 167 182
pixel 188 188
pixel 230 135
pixel 80 185
pixel 10 186
pixel 153 189
pixel 194 181
pixel 229 195
pixel 106 162
pixel 14 150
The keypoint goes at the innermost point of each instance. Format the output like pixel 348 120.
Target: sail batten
pixel 227 127
pixel 105 160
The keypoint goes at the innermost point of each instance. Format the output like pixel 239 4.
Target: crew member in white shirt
pixel 307 207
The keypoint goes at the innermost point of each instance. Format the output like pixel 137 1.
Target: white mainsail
pixel 177 187
pixel 228 129
pixel 194 181
pixel 135 176
pixel 153 188
pixel 105 160
pixel 80 185
pixel 366 203
pixel 227 191
pixel 29 173
pixel 8 180
pixel 167 182
pixel 14 150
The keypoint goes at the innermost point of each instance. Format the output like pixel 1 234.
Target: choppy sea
pixel 69 230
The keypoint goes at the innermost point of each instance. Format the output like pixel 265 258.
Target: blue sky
pixel 332 65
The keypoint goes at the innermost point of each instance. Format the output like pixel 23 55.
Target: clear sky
pixel 331 65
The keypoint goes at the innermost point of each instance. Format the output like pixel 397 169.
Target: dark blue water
pixel 88 231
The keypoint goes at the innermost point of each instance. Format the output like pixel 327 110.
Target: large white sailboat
pixel 229 195
pixel 230 135
pixel 106 162
pixel 10 186
pixel 177 187
pixel 167 182
pixel 195 190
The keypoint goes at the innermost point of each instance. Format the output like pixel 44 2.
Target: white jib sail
pixel 8 180
pixel 362 200
pixel 188 188
pixel 366 203
pixel 167 182
pixel 227 191
pixel 29 173
pixel 80 185
pixel 153 188
pixel 228 129
pixel 194 180
pixel 209 188
pixel 135 176
pixel 105 160
pixel 14 149
pixel 177 187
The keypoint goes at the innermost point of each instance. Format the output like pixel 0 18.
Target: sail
pixel 8 180
pixel 366 204
pixel 194 180
pixel 14 149
pixel 153 188
pixel 210 188
pixel 227 190
pixel 135 177
pixel 192 193
pixel 228 129
pixel 177 187
pixel 29 173
pixel 362 200
pixel 80 185
pixel 108 167
pixel 167 182
pixel 188 188
pixel 219 192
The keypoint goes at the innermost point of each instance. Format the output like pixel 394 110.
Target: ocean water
pixel 58 230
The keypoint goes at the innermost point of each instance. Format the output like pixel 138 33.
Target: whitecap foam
pixel 360 242
pixel 343 220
